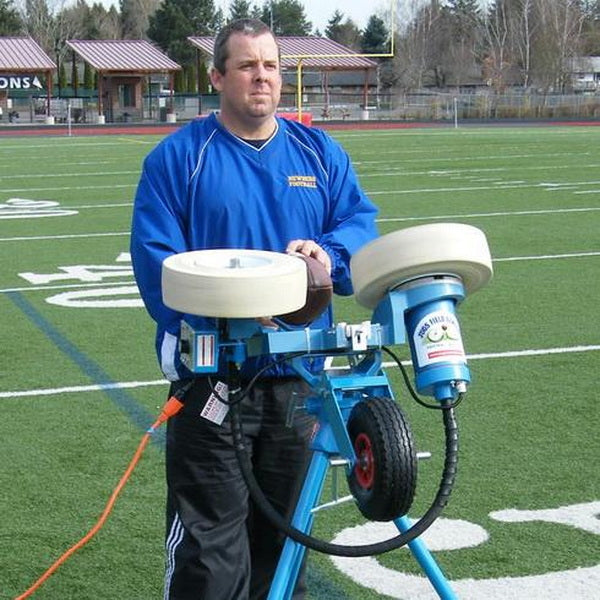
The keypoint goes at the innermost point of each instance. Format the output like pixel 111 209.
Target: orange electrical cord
pixel 171 407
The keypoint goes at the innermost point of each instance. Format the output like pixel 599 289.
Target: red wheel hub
pixel 364 469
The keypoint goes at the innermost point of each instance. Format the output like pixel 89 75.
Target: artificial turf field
pixel 79 382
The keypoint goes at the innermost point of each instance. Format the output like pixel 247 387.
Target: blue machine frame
pixel 420 312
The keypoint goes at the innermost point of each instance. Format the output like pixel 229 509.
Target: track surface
pixel 16 130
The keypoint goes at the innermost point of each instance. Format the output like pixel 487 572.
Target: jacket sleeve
pixel 158 230
pixel 351 222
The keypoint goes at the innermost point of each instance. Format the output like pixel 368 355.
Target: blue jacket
pixel 202 187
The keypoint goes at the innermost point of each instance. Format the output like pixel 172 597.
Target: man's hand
pixel 310 248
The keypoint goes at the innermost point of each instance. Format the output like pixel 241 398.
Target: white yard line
pixel 27 190
pixel 29 176
pixel 128 283
pixel 515 213
pixel 156 382
pixel 65 236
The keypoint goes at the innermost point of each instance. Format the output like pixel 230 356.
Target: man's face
pixel 251 85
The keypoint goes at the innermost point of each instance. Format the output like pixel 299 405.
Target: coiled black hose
pixel 256 493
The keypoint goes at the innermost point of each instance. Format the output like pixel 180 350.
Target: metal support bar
pixel 427 562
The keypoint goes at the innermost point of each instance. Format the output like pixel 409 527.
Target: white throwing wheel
pixel 234 283
pixel 434 249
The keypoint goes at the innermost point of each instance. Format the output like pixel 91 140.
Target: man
pixel 242 178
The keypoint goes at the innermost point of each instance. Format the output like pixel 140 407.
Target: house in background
pixel 585 73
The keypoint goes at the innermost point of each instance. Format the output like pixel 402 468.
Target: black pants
pixel 219 546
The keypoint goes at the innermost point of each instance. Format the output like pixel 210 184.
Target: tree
pixel 464 20
pixel 88 76
pixel 239 9
pixel 39 23
pixel 190 78
pixel 285 17
pixel 421 57
pixel 557 40
pixel 203 79
pixel 62 77
pixel 375 39
pixel 175 20
pixel 10 21
pixel 590 42
pixel 497 32
pixel 135 17
pixel 74 76
pixel 344 32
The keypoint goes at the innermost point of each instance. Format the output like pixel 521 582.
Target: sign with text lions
pixel 20 82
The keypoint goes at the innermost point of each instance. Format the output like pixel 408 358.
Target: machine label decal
pixel 215 410
pixel 437 339
pixel 206 350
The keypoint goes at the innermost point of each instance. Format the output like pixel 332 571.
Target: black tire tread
pixel 383 421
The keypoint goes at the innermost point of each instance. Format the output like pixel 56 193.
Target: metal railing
pixel 424 106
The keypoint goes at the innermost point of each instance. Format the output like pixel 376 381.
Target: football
pixel 319 290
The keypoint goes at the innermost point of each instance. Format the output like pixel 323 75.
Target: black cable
pixel 256 493
pixel 238 397
pixel 413 393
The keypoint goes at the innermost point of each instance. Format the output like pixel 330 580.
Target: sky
pixel 318 12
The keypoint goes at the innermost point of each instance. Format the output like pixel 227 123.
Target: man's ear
pixel 216 78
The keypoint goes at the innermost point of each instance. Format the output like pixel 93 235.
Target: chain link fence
pixel 428 107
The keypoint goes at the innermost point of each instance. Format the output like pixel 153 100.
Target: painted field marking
pixel 458 171
pixel 49 175
pixel 69 144
pixel 66 236
pixel 478 188
pixel 515 213
pixel 66 188
pixel 446 534
pixel 387 365
pixel 117 287
pixel 546 257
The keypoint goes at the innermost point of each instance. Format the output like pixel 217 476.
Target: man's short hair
pixel 251 27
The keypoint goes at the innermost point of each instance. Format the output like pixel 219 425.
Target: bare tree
pixel 135 15
pixel 497 31
pixel 419 58
pixel 557 39
pixel 38 21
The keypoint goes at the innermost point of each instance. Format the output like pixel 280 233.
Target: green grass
pixel 529 425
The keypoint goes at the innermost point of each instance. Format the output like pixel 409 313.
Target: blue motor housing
pixel 433 332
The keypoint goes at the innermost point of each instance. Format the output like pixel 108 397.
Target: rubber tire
pixel 433 249
pixel 393 456
pixel 261 284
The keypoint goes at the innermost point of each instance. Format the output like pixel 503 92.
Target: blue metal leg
pixel 290 561
pixel 427 562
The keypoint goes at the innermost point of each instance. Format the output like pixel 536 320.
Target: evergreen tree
pixel 285 17
pixel 62 77
pixel 203 80
pixel 179 81
pixel 239 9
pixel 344 32
pixel 175 20
pixel 74 76
pixel 375 39
pixel 190 78
pixel 10 21
pixel 88 77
